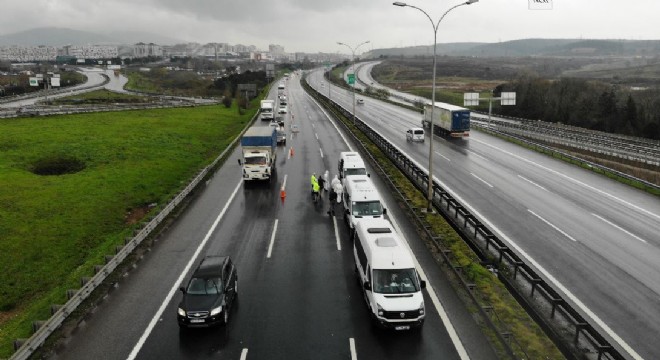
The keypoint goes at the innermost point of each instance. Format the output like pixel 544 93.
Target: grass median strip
pixel 75 186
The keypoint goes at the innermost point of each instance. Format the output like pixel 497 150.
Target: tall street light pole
pixel 353 69
pixel 429 207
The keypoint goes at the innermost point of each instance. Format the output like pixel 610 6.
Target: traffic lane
pixel 282 321
pixel 112 330
pixel 491 205
pixel 377 342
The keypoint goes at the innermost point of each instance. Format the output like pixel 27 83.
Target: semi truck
pixel 267 110
pixel 448 119
pixel 258 147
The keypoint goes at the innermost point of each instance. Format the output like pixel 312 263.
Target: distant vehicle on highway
pixel 280 86
pixel 415 134
pixel 360 101
pixel 294 128
pixel 210 293
pixel 283 109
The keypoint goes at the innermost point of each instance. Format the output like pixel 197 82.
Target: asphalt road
pixel 298 295
pixel 594 239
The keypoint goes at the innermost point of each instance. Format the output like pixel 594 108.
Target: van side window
pixel 360 252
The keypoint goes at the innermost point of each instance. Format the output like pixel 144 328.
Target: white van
pixel 361 200
pixel 386 271
pixel 350 163
pixel 415 134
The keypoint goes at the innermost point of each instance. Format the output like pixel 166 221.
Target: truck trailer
pixel 448 119
pixel 258 147
pixel 267 110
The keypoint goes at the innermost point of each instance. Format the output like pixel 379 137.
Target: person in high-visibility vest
pixel 312 180
pixel 315 190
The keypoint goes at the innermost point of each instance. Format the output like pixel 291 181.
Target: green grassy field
pixel 55 228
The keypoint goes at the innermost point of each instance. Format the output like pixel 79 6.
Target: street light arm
pixel 450 9
pixel 435 27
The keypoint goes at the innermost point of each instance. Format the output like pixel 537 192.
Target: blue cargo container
pixel 448 119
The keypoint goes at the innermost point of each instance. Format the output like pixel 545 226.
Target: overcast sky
pixel 317 25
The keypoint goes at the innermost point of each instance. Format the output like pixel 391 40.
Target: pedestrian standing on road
pixel 321 182
pixel 312 180
pixel 315 191
pixel 335 195
pixel 326 181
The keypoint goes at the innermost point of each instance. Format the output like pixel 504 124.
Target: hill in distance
pixel 532 47
pixel 53 36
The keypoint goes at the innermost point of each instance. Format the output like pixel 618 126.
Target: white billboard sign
pixel 508 98
pixel 470 99
pixel 55 82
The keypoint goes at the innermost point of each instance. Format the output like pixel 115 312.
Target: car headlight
pixel 380 309
pixel 421 308
pixel 216 311
pixel 181 312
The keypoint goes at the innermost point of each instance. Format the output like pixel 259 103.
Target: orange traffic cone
pixel 291 152
pixel 282 194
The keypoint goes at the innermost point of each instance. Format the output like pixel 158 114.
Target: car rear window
pixel 419 132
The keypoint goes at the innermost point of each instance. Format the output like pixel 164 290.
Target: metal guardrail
pixel 571 332
pixel 62 110
pixel 43 329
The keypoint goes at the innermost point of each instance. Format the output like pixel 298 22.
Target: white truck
pixel 267 110
pixel 278 125
pixel 258 146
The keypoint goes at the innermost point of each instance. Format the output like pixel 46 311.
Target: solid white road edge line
pixel 332 122
pixel 351 344
pixel 272 238
pixel 284 182
pixel 533 183
pixel 453 335
pixel 434 298
pixel 551 225
pixel 244 354
pixel 620 228
pixel 174 289
pixel 321 151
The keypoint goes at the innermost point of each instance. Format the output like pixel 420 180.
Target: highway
pixel 594 239
pixel 298 294
pixel 95 80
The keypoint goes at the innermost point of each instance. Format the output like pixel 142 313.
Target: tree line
pixel 587 104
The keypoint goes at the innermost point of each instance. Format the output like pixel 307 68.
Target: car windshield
pixel 419 132
pixel 202 286
pixel 396 281
pixel 361 171
pixel 255 160
pixel 369 208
